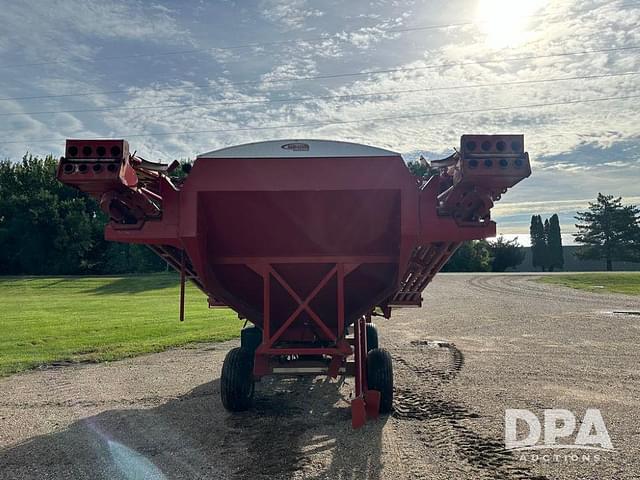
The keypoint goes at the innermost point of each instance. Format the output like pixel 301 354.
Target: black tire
pixel 372 336
pixel 380 377
pixel 250 339
pixel 236 381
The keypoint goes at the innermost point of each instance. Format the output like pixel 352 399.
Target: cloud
pixel 504 209
pixel 290 14
pixel 609 149
pixel 61 30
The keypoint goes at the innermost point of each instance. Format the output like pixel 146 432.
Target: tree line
pixel 47 228
pixel 608 231
pixel 486 256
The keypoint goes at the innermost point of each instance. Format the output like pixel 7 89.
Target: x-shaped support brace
pixel 303 305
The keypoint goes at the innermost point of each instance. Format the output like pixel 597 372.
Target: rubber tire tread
pixel 236 382
pixel 372 336
pixel 380 377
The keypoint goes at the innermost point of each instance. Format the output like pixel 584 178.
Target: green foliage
pixel 421 169
pixel 505 254
pixel 546 243
pixel 547 252
pixel 554 244
pixel 49 228
pixel 180 173
pixel 473 256
pixel 122 258
pixel 609 230
pixel 538 243
pixel 52 319
pixel 483 256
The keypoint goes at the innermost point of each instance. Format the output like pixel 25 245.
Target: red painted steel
pixel 302 245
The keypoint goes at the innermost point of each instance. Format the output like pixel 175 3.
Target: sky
pixel 181 78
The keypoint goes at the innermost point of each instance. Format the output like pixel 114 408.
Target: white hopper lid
pixel 299 148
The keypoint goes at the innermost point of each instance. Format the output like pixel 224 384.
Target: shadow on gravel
pixel 294 431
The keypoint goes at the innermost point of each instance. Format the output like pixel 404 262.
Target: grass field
pixel 46 320
pixel 619 282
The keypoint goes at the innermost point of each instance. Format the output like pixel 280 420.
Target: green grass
pixel 55 319
pixel 619 282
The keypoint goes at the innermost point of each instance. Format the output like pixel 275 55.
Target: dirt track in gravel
pixel 481 344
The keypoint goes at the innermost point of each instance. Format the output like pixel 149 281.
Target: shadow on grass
pixel 35 282
pixel 286 433
pixel 135 284
pixel 107 285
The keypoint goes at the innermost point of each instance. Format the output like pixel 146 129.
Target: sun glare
pixel 505 22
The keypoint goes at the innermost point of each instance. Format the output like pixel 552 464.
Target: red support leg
pixel 340 299
pixel 358 411
pixel 261 362
pixel 182 282
pixel 366 402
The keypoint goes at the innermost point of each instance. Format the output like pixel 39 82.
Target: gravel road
pixel 506 341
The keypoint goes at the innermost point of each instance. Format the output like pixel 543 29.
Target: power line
pixel 314 39
pixel 341 75
pixel 318 38
pixel 323 97
pixel 346 122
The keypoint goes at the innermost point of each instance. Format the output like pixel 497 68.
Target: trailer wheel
pixel 372 336
pixel 250 339
pixel 380 377
pixel 236 381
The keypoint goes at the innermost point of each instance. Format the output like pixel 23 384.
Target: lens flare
pixel 132 465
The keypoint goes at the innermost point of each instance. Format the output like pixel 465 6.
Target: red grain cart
pixel 306 239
